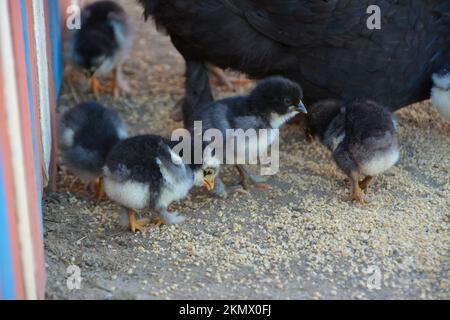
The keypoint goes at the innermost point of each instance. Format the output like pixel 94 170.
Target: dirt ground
pixel 301 240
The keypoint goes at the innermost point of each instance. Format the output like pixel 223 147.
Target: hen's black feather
pixel 325 46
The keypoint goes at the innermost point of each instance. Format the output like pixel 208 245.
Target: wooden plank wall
pixel 30 79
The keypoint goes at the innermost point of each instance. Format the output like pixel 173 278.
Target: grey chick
pixel 87 133
pixel 361 135
pixel 143 171
pixel 102 44
pixel 272 103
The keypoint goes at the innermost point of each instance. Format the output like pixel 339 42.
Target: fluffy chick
pixel 143 171
pixel 102 44
pixel 440 93
pixel 87 133
pixel 361 135
pixel 273 102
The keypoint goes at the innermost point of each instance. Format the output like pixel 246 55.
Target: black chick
pixel 272 103
pixel 87 133
pixel 143 171
pixel 102 44
pixel 361 135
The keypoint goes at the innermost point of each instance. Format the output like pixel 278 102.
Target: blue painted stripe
pixel 56 43
pixel 32 106
pixel 7 288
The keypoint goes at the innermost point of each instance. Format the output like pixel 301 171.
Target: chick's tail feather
pixel 379 142
pixel 84 158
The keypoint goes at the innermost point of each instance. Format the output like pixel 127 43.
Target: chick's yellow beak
pixel 208 184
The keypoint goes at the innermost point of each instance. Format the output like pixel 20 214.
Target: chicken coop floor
pixel 301 240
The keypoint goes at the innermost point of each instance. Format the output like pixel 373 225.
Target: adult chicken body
pixel 326 46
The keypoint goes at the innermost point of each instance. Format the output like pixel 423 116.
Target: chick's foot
pixel 96 86
pixel 99 190
pixel 136 225
pixel 364 184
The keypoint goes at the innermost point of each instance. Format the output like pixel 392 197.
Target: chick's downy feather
pixel 87 133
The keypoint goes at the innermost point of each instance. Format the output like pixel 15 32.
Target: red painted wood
pixel 54 147
pixel 27 140
pixel 35 83
pixel 10 193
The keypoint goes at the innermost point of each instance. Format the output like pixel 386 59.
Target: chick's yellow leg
pixel 365 183
pixel 159 222
pixel 357 194
pixel 115 84
pixel 99 190
pixel 96 86
pixel 136 225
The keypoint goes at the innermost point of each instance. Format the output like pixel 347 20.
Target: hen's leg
pixel 177 111
pixel 198 89
pixel 225 80
pixel 220 75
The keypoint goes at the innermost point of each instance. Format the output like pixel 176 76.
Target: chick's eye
pixel 287 101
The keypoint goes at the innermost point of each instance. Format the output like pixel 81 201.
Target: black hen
pixel 325 46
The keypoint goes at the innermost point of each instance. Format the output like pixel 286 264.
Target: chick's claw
pixel 158 222
pixel 137 225
pixel 263 186
pixel 358 196
pixel 238 189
